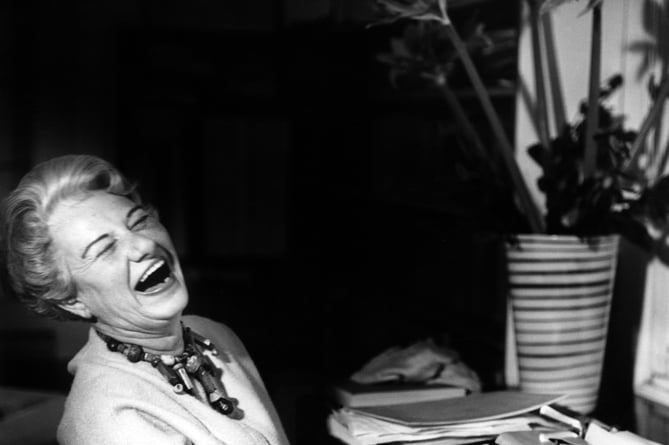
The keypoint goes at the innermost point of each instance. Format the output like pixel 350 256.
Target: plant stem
pixel 650 119
pixel 542 99
pixel 465 125
pixel 527 205
pixel 657 140
pixel 662 165
pixel 559 113
pixel 592 123
pixel 658 136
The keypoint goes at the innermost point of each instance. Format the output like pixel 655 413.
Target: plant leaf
pixel 442 9
pixel 399 48
pixel 423 10
pixel 396 7
pixel 549 5
pixel 593 3
pixel 393 75
pixel 386 58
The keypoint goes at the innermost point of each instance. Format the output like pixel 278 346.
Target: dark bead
pixel 207 381
pixel 112 345
pixel 224 406
pixel 203 341
pixel 169 374
pixel 208 364
pixel 135 353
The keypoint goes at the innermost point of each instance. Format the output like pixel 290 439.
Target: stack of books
pixel 491 418
pixel 354 394
pixel 474 419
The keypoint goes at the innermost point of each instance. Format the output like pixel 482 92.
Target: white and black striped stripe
pixel 560 288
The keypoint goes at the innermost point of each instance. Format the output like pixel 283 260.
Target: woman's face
pixel 122 262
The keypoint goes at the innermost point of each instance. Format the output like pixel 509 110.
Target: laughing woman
pixel 79 244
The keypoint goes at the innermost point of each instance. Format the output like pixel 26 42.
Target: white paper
pixel 596 435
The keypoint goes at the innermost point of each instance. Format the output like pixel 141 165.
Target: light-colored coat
pixel 115 402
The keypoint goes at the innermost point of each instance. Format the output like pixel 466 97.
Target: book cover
pixel 475 407
pixel 353 394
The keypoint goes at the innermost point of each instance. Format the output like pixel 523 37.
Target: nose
pixel 140 247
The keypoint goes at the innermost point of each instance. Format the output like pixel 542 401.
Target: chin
pixel 167 307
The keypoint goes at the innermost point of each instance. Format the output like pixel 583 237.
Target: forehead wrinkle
pixel 64 260
pixel 81 265
pixel 61 225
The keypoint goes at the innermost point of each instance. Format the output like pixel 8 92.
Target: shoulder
pixel 95 407
pixel 98 389
pixel 103 378
pixel 108 405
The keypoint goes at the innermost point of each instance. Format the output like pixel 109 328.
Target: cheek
pixel 162 237
pixel 99 286
pixel 87 288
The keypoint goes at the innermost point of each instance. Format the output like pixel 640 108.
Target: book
pixel 475 407
pixel 352 394
pixel 354 429
pixel 477 418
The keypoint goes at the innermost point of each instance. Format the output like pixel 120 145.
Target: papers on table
pixel 454 421
pixel 368 430
pixel 597 435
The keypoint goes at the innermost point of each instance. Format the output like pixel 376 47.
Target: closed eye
pixel 140 222
pixel 107 249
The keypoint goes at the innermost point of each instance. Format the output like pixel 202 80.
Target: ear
pixel 76 307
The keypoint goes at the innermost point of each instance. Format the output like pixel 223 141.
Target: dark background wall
pixel 321 214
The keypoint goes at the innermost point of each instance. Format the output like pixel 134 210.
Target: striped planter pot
pixel 560 290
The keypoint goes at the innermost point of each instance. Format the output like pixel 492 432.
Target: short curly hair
pixel 31 269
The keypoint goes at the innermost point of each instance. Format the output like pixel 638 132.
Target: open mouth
pixel 155 278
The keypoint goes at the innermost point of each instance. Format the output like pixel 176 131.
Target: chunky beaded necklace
pixel 180 370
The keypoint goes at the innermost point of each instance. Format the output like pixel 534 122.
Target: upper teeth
pixel 151 270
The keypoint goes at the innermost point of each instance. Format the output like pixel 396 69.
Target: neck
pixel 167 340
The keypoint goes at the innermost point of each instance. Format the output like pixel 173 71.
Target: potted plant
pixel 594 193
